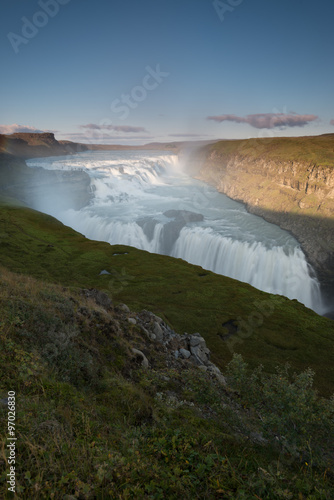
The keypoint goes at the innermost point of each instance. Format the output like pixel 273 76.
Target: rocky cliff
pixel 32 145
pixel 287 181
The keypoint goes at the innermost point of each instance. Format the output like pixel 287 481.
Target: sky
pixel 139 71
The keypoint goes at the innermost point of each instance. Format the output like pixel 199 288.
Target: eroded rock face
pixel 296 195
pixel 33 145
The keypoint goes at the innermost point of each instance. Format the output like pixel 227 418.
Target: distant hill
pixel 32 145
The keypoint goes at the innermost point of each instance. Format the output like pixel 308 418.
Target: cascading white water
pixel 145 200
pixel 250 262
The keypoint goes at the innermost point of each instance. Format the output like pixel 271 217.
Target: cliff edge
pixel 33 145
pixel 287 181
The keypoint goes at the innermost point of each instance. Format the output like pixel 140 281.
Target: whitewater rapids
pixel 146 200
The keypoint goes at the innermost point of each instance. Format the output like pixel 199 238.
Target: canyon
pixel 287 181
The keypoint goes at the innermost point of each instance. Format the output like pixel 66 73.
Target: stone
pixel 157 330
pixel 200 356
pixel 220 378
pixel 197 340
pixel 213 368
pixel 103 272
pixel 99 297
pixel 185 353
pixel 124 307
pixel 144 363
pixel 132 321
pixel 176 354
pixel 203 368
pixel 143 329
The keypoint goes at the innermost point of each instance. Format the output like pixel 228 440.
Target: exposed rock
pixel 33 145
pixel 157 331
pixel 185 353
pixel 179 348
pixel 184 215
pixel 132 321
pixel 196 340
pixel 99 297
pixel 292 193
pixel 200 356
pixel 123 307
pixel 145 363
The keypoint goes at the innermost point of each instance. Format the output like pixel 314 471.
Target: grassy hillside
pixel 318 150
pixel 92 423
pixel 232 316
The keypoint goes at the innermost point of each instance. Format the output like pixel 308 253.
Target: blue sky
pixel 162 70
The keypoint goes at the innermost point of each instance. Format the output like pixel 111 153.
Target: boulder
pixel 199 355
pixel 157 330
pixel 185 353
pixel 144 363
pixel 123 307
pixel 196 340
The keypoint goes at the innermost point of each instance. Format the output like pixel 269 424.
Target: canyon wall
pixel 287 181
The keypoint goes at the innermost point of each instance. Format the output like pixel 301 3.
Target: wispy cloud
pixel 15 128
pixel 117 128
pixel 332 122
pixel 268 120
pixel 187 135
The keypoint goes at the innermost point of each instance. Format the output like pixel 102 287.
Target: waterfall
pixel 271 270
pixel 145 200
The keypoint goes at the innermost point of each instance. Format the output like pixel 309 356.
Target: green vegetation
pixel 91 423
pixel 317 150
pixel 267 329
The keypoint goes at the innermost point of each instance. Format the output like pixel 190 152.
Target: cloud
pixel 15 128
pixel 332 122
pixel 187 135
pixel 117 128
pixel 268 120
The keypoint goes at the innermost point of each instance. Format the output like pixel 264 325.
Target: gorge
pixel 288 182
pixel 147 200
